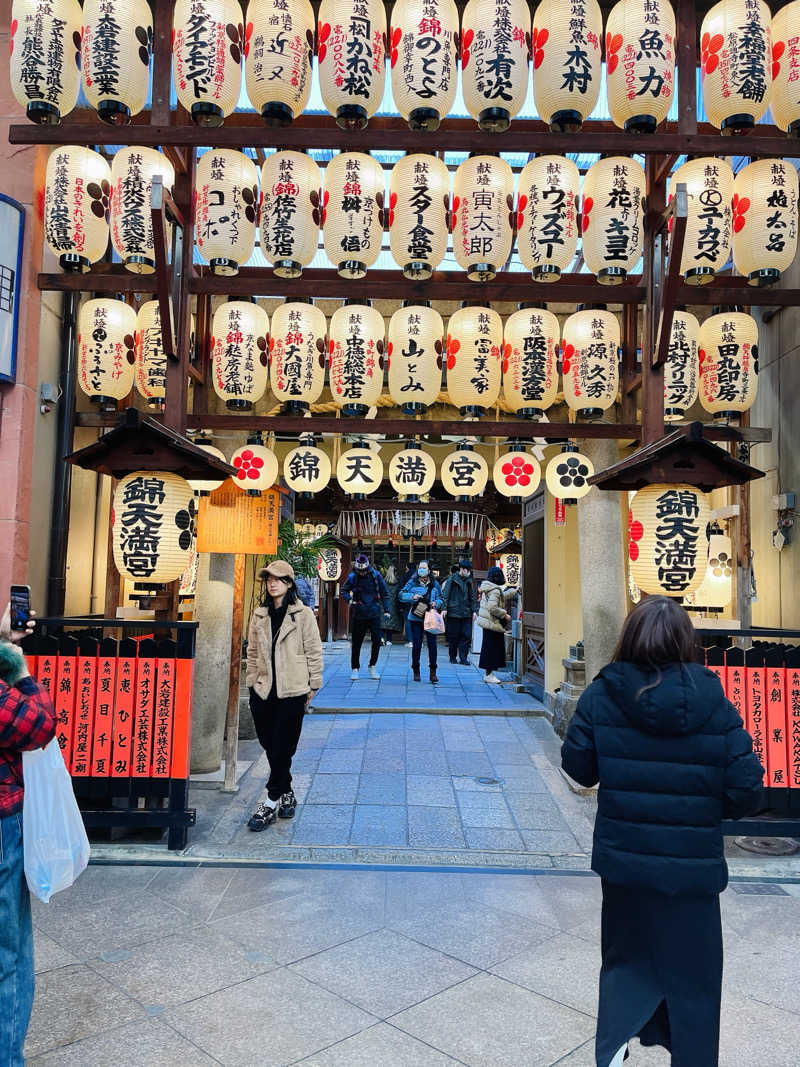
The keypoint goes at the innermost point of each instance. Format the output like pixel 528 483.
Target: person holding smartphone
pixel 27 721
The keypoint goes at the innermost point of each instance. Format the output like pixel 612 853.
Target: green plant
pixel 296 550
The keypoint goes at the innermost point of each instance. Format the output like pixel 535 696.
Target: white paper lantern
pixel 151 359
pixel 153 521
pixel 474 359
pixel 356 344
pixel 424 37
pixel 256 468
pixel 352 216
pixel 239 346
pixel 208 39
pixel 728 363
pixel 765 220
pixel 566 62
pixel 226 206
pixel 495 39
pixel 483 216
pixel 415 357
pixel 279 56
pixel 590 361
pixel 567 475
pixel 116 46
pixel 329 564
pixel 736 63
pixel 516 474
pixel 298 349
pixel 419 201
pixel 613 218
pixel 106 340
pixel 510 564
pixel 784 101
pixel 351 50
pixel 464 473
pixel 188 580
pixel 132 173
pixel 667 539
pixel 359 471
pixel 547 216
pixel 681 371
pixel 640 63
pixel 45 44
pixel 307 469
pixel 412 472
pixel 291 211
pixel 707 242
pixel 204 486
pixel 530 361
pixel 76 206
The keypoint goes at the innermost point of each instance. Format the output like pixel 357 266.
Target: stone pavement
pixel 147 966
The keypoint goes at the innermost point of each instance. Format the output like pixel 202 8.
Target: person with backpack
pixel 459 612
pixel 672 760
pixel 421 593
pixel 368 595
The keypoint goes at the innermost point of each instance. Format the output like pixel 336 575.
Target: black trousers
pixel 459 638
pixel 418 631
pixel 278 724
pixel 360 628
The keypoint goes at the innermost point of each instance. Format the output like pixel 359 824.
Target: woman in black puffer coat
pixel 672 760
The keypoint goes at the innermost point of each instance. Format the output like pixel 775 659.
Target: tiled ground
pixel 187 967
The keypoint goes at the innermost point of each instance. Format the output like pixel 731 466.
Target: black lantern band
pixel 276 114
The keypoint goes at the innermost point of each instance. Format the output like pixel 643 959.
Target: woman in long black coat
pixel 672 760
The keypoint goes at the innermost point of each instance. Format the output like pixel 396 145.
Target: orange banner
pixel 104 715
pixel 80 766
pixel 165 705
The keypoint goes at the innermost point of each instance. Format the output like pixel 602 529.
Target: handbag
pixel 434 623
pixel 420 609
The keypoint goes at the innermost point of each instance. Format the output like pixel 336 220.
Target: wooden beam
pixel 686 33
pixel 679 211
pixel 162 71
pixel 652 399
pixel 630 317
pixel 167 311
pixel 117 281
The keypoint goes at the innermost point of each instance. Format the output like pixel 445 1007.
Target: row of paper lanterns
pixel 755 214
pixel 51 40
pixel 718 361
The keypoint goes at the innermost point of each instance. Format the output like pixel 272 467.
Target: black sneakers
pixel 287 805
pixel 264 816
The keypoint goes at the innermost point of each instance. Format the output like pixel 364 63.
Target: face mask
pixel 422 573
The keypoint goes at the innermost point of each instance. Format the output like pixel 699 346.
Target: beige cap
pixel 279 568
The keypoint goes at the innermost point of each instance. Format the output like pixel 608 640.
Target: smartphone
pixel 20 606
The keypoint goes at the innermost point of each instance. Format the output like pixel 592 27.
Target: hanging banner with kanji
pixel 233 521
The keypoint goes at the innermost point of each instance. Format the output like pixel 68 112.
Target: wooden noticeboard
pixel 231 521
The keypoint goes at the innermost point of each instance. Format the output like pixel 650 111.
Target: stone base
pixel 560 708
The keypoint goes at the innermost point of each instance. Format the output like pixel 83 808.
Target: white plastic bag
pixel 54 840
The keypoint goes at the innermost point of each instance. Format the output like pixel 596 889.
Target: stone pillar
pixel 213 609
pixel 601 563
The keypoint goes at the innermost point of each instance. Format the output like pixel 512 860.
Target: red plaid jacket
pixel 27 720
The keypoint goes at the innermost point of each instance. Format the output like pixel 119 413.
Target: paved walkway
pixel 181 967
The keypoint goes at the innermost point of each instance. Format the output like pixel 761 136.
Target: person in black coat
pixel 672 760
pixel 366 590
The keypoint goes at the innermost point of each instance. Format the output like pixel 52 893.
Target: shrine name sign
pixel 231 521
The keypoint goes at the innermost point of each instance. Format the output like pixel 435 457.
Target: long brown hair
pixel 658 631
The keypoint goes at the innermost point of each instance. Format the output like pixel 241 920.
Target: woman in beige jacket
pixel 493 617
pixel 284 671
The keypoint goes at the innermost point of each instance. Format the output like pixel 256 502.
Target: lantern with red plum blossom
pixel 530 360
pixel 279 56
pixel 256 468
pixel 106 337
pixel 298 348
pixel 483 217
pixel 640 63
pixel 360 471
pixel 153 520
pixel 291 211
pixel 567 475
pixel 423 59
pixel 590 361
pixel 736 63
pixel 728 363
pixel 464 473
pixel 707 242
pixel 151 360
pixel 239 353
pixel 517 474
pixel 208 38
pixel 667 545
pixel 419 201
pixel 412 472
pixel 226 208
pixel 307 469
pixel 474 351
pixel 132 173
pixel 351 49
pixel 352 215
pixel 414 357
pixel 613 218
pixel 356 344
pixel 764 220
pixel 116 46
pixel 76 206
pixel 495 44
pixel 547 216
pixel 682 367
pixel 566 62
pixel 45 65
pixel 784 101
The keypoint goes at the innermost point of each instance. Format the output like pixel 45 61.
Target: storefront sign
pixel 232 521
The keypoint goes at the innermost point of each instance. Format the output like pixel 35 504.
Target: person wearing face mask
pixel 421 592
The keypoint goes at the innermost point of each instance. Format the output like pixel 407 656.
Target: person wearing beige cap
pixel 284 671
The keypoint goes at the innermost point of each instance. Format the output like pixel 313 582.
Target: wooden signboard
pixel 232 521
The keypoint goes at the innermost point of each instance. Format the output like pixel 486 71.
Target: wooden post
pixel 113 580
pixel 329 596
pixel 232 720
pixel 741 544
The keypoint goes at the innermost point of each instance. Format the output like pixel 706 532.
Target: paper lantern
pixel 256 468
pixel 151 359
pixel 204 486
pixel 359 471
pixel 567 475
pixel 320 530
pixel 297 355
pixel 329 564
pixel 45 64
pixel 736 63
pixel 351 50
pixel 728 363
pixel 590 361
pixel 208 39
pixel 495 38
pixel 188 580
pixel 424 38
pixel 152 525
pixel 106 332
pixel 510 564
pixel 707 242
pixel 279 54
pixel 412 472
pixel 566 62
pixel 307 469
pixel 132 173
pixel 474 351
pixel 517 474
pixel 76 205
pixel 226 206
pixel 716 589
pixel 765 220
pixel 667 539
pixel 352 215
pixel 419 201
pixel 415 349
pixel 682 367
pixel 613 218
pixel 116 47
pixel 547 216
pixel 464 473
pixel 640 63
pixel 530 361
pixel 356 342
pixel 291 212
pixel 239 353
pixel 482 217
pixel 784 100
